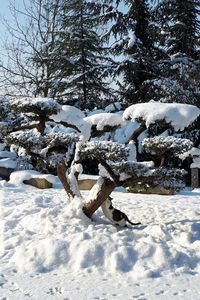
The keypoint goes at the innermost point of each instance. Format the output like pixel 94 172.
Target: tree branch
pixel 61 172
pixel 101 195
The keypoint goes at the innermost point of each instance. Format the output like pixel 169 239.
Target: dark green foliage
pixel 28 139
pixel 173 146
pixel 79 38
pixel 179 37
pixel 104 150
pixel 135 173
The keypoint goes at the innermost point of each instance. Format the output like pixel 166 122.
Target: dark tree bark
pixel 135 135
pixel 61 172
pixel 92 205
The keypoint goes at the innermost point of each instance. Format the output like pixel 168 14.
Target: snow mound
pixel 178 115
pixel 18 177
pixel 43 232
pixel 69 114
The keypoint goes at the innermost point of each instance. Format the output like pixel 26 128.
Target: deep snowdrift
pixel 41 232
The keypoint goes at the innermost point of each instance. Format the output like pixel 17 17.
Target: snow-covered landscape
pixel 50 250
pixel 99 150
pixel 55 244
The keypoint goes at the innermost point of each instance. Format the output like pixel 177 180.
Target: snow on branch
pixel 102 120
pixel 38 106
pixel 70 116
pixel 26 139
pixel 130 173
pixel 60 139
pixel 177 115
pixel 34 141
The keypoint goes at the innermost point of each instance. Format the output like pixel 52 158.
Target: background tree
pixel 31 52
pixel 134 34
pixel 87 86
pixel 179 37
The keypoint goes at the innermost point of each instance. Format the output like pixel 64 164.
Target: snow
pixel 18 177
pixel 132 40
pixel 104 119
pixel 43 103
pixel 195 165
pixel 73 116
pixel 178 115
pixel 8 163
pixel 112 107
pixel 7 154
pixel 50 250
pixel 69 114
pixel 124 133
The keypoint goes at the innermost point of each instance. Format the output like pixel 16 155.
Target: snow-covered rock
pixel 18 177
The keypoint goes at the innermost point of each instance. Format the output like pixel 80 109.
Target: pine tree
pixel 137 68
pixel 79 36
pixel 180 71
pixel 134 34
pixel 179 78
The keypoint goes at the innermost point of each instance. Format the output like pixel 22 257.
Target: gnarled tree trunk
pixel 96 198
pixel 61 172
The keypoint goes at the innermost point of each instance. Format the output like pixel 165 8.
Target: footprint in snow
pixel 43 202
pixel 2 280
pixel 55 291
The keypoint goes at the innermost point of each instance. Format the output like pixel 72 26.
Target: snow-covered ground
pixel 50 250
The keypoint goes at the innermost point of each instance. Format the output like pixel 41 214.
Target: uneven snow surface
pixel 50 250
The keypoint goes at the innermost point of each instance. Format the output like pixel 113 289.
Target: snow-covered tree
pixel 165 148
pixel 58 137
pixel 86 85
pixel 134 42
pixel 115 170
pixel 32 133
pixel 179 37
pixel 164 116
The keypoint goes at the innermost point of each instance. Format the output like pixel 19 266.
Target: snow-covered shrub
pixel 44 151
pixel 104 150
pixel 35 106
pixel 159 145
pixel 145 172
pixel 28 139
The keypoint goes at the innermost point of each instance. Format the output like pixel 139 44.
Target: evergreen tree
pixel 179 78
pixel 134 32
pixel 137 67
pixel 79 36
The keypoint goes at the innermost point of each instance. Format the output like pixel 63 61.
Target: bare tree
pixel 31 60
